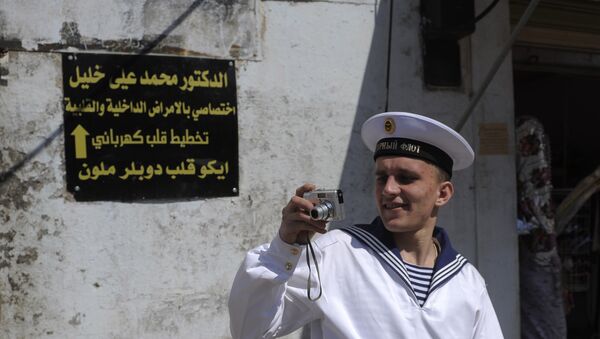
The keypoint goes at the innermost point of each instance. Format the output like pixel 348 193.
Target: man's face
pixel 408 192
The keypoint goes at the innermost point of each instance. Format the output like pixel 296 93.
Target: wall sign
pixel 493 139
pixel 149 127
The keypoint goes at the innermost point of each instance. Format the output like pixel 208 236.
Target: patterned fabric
pixel 420 279
pixel 447 265
pixel 542 312
pixel 534 177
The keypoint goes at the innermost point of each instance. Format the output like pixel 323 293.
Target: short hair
pixel 442 175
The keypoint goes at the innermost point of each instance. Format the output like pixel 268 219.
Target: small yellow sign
pixel 493 139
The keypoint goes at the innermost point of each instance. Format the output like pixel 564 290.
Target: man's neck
pixel 417 247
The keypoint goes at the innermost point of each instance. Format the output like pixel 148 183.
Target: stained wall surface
pixel 308 74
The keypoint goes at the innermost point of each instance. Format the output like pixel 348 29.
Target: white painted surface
pixel 215 28
pixel 309 74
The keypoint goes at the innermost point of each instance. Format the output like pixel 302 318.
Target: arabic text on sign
pixel 198 79
pixel 157 108
pixel 148 171
pixel 159 137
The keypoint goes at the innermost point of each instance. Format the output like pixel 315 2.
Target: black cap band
pixel 414 149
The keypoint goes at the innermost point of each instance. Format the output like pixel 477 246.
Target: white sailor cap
pixel 417 136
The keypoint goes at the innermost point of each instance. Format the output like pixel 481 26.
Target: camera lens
pixel 322 211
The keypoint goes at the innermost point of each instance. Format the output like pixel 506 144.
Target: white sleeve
pixel 486 323
pixel 268 297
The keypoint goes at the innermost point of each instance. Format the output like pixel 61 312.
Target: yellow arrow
pixel 80 135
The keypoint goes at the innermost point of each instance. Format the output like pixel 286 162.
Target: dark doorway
pixel 567 103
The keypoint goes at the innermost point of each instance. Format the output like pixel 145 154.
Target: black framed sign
pixel 147 127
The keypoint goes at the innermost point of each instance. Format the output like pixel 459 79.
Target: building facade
pixel 308 73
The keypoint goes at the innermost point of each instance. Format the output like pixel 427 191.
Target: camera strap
pixel 312 253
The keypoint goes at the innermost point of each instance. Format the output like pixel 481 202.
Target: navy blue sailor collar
pixel 375 236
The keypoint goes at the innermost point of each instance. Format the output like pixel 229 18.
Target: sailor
pixel 398 277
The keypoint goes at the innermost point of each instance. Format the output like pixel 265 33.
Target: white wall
pixel 308 74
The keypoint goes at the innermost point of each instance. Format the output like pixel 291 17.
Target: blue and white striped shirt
pixel 420 279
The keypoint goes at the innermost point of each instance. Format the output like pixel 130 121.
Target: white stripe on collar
pixel 384 253
pixel 440 276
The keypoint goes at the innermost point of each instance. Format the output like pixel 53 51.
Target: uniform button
pixel 295 251
pixel 288 266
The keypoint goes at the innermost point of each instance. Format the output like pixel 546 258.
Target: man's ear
pixel 445 192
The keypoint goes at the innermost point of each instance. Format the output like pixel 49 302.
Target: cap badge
pixel 389 126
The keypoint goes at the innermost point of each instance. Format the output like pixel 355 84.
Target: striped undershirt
pixel 420 279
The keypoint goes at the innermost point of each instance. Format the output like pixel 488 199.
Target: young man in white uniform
pixel 397 277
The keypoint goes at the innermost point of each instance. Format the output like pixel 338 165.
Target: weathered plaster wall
pixel 222 28
pixel 115 270
pixel 309 73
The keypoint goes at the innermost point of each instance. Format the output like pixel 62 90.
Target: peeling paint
pixel 8 236
pixel 36 318
pixel 4 217
pixel 17 283
pixel 69 34
pixel 29 255
pixel 18 317
pixel 15 193
pixel 6 256
pixel 230 24
pixel 6 240
pixel 76 320
pixel 3 69
pixel 41 233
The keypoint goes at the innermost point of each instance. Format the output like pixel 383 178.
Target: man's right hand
pixel 297 227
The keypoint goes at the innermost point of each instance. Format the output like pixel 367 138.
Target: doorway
pixel 562 91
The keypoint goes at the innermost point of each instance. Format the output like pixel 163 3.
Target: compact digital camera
pixel 329 204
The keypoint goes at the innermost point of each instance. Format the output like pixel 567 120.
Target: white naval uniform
pixel 366 291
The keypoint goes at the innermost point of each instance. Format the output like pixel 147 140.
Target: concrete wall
pixel 308 74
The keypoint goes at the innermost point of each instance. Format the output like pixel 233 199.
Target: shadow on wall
pixel 357 181
pixel 357 175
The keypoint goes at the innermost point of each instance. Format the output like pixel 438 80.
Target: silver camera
pixel 329 204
